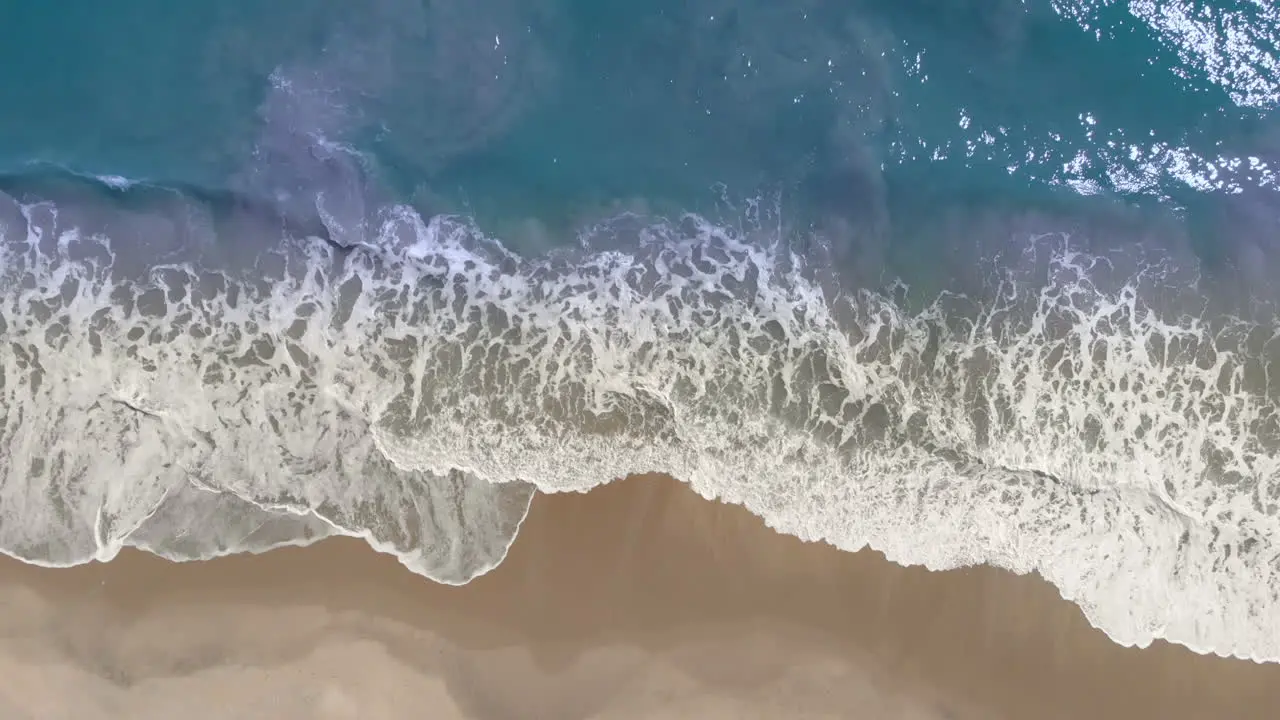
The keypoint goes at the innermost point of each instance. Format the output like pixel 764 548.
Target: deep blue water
pixel 523 108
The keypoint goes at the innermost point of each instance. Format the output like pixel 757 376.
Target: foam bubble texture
pixel 413 390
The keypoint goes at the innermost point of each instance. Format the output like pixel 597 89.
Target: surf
pixel 1075 417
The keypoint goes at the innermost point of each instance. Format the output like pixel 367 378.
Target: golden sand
pixel 636 600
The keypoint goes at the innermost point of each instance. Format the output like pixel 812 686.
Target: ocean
pixel 965 282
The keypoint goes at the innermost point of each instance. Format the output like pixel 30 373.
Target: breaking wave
pixel 197 379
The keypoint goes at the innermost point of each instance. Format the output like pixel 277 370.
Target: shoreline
pixel 700 599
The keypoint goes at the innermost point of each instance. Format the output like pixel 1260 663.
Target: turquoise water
pixel 963 281
pixel 584 104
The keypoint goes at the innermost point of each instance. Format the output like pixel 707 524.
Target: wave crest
pixel 1076 416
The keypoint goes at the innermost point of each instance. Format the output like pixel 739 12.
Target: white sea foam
pixel 115 181
pixel 1232 44
pixel 414 389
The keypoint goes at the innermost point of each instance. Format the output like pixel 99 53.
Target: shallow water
pixel 894 275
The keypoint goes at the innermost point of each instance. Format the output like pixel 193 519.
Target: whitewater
pixel 1087 417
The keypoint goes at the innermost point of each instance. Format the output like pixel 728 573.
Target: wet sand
pixel 637 600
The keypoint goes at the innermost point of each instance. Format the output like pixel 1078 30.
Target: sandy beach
pixel 637 600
